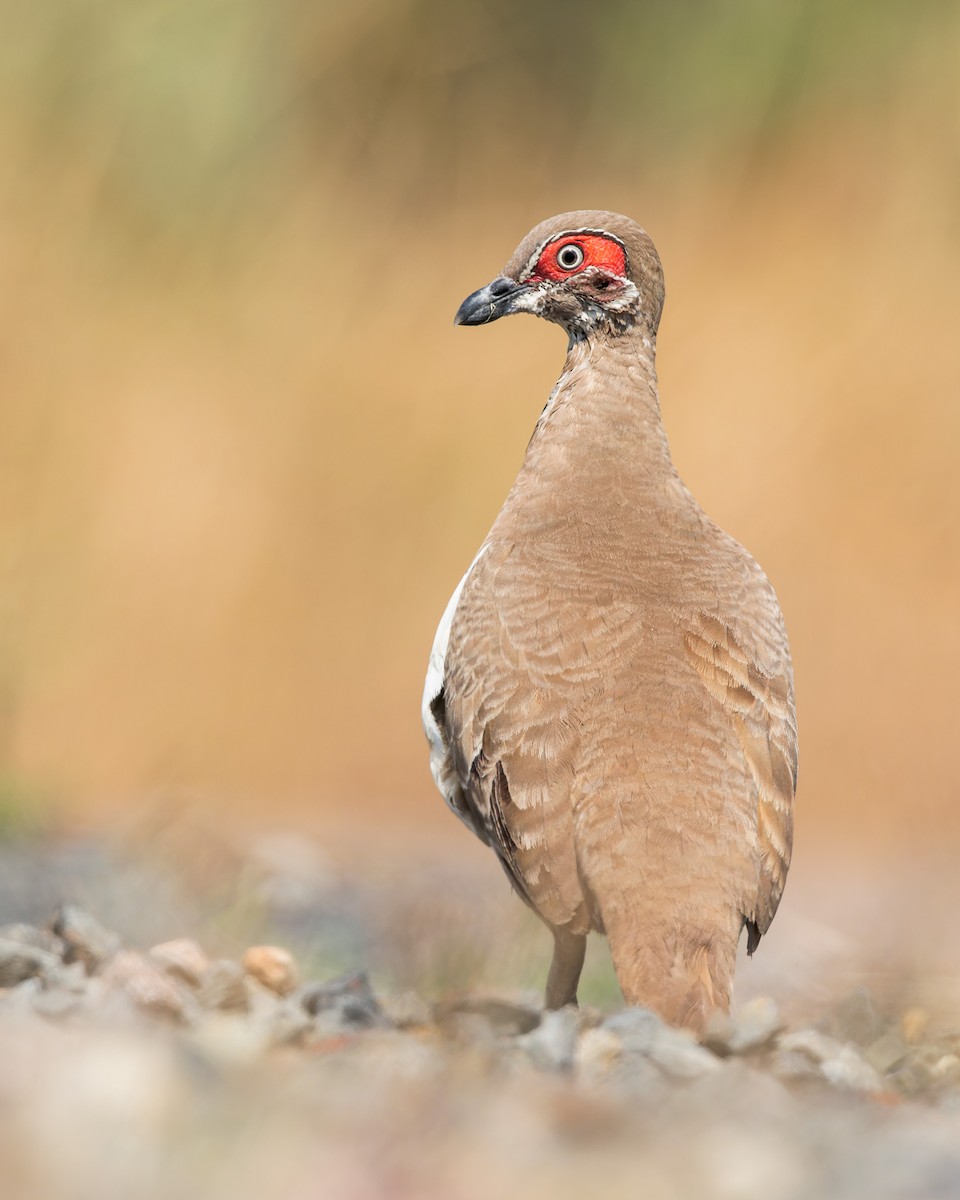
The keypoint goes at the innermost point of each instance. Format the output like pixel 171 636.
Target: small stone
pixel 886 1051
pixel 674 1051
pixel 21 999
pixel 913 1076
pixel 841 1065
pixel 597 1052
pixel 914 1023
pixel 183 958
pixel 86 939
pixel 800 1053
pixel 719 1033
pixel 224 986
pixel 70 977
pixel 144 983
pixel 19 962
pixel 346 1002
pixel 505 1017
pixel 261 1001
pixel 793 1065
pixel 288 1024
pixel 811 1043
pixel 30 935
pixel 551 1046
pixel 848 1070
pixel 753 1027
pixel 857 1019
pixel 947 1067
pixel 407 1010
pixel 274 967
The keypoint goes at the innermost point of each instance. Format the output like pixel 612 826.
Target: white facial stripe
pixel 535 256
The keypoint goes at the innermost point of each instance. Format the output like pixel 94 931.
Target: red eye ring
pixel 570 257
pixel 563 256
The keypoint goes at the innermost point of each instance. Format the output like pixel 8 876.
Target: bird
pixel 609 701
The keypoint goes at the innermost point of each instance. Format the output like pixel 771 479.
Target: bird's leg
pixel 568 952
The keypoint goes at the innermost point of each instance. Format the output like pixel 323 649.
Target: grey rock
pixel 913 1076
pixel 288 1024
pixel 848 1070
pixel 31 935
pixel 752 1027
pixel 597 1053
pixel 552 1045
pixel 69 977
pixel 636 1079
pixel 504 1017
pixel 407 1010
pixel 888 1050
pixel 224 987
pixel 838 1063
pixel 183 958
pixel 347 1001
pixel 20 999
pixel 143 982
pixel 674 1051
pixel 793 1065
pixel 19 962
pixel 86 940
pixel 811 1044
pixel 857 1019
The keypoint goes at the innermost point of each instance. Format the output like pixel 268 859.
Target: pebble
pixel 183 958
pixel 838 1063
pixel 289 1024
pixel 407 1010
pixel 914 1024
pixel 674 1051
pixel 274 967
pixel 234 1012
pixel 846 1069
pixel 223 986
pixel 86 939
pixel 20 962
pixel 752 1027
pixel 886 1051
pixel 503 1016
pixel 552 1045
pixel 598 1051
pixel 344 1003
pixel 31 935
pixel 857 1019
pixel 145 984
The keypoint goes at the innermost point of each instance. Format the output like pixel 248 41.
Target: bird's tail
pixel 680 968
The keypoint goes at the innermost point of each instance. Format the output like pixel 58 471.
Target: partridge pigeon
pixel 609 700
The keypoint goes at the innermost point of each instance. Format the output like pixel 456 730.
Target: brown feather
pixel 617 687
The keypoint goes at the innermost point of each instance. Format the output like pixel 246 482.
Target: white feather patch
pixel 441 760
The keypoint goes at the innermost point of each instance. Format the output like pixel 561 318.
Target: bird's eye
pixel 570 257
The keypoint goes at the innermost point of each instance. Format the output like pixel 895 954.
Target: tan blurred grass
pixel 246 457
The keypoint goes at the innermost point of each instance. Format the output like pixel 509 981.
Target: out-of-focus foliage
pixel 244 457
pixel 192 113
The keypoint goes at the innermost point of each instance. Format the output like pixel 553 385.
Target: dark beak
pixel 496 300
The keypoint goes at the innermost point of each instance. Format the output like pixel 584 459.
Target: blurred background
pixel 245 456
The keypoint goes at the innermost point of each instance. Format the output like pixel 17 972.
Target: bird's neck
pixel 604 408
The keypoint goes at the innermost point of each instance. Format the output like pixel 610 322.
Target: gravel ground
pixel 150 1068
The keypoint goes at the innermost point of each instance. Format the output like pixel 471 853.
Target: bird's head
pixel 592 272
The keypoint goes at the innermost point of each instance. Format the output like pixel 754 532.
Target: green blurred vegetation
pixel 199 117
